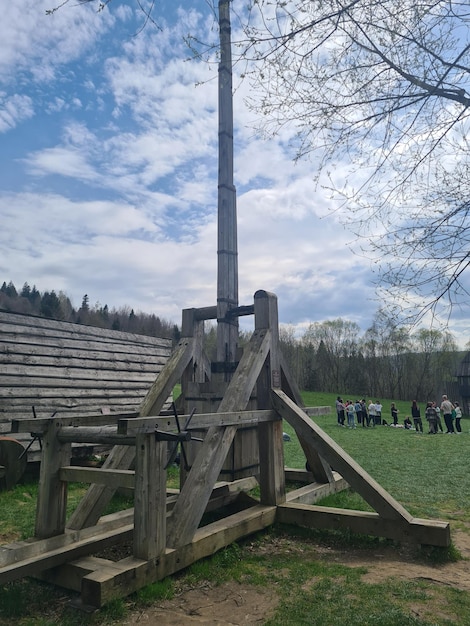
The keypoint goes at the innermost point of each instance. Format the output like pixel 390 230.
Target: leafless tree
pixel 376 93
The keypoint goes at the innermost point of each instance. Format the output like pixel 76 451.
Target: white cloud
pixel 14 109
pixel 115 195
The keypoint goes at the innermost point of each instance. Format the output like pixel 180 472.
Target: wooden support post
pixel 149 497
pixel 52 494
pixel 227 253
pixel 271 446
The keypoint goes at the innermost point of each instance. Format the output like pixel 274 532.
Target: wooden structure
pixel 60 367
pixel 248 394
pixel 461 389
pixel 165 527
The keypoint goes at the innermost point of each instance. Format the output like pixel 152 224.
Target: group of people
pixel 359 413
pixel 451 412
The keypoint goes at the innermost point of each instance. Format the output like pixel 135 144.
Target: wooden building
pixel 461 391
pixel 61 367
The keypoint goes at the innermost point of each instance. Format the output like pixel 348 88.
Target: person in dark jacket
pixel 416 415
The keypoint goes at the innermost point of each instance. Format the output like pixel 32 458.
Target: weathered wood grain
pixel 414 530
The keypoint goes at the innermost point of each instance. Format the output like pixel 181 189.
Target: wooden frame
pixel 165 525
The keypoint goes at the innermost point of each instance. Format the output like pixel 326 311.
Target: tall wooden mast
pixel 227 253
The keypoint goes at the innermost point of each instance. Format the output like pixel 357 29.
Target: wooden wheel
pixel 12 462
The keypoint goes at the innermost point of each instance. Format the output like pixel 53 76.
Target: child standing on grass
pixel 458 417
pixel 394 411
pixel 432 417
pixel 351 415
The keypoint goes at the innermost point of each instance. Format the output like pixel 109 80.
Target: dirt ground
pixel 232 604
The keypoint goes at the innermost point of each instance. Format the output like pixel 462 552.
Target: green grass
pixel 427 475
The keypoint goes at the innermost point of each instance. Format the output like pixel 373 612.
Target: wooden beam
pixel 105 435
pixel 21 550
pixel 40 425
pixel 199 421
pixel 270 441
pixel 168 377
pixel 52 493
pixel 429 532
pixel 206 468
pixel 308 494
pixel 118 479
pixel 379 499
pixel 52 557
pixel 129 575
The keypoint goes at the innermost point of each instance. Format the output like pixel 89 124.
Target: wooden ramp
pixel 169 530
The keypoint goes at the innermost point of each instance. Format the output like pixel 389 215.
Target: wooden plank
pixel 55 394
pixel 88 347
pixel 167 379
pixel 112 478
pixel 41 424
pixel 53 558
pixel 379 499
pixel 19 356
pixel 31 548
pixel 308 494
pixel 43 327
pixel 18 408
pixel 199 421
pixel 70 575
pixel 198 486
pixel 298 475
pixel 429 532
pixel 106 435
pixel 84 374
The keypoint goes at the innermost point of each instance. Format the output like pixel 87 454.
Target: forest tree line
pixel 58 306
pixel 386 361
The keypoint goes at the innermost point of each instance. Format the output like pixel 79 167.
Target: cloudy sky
pixel 108 184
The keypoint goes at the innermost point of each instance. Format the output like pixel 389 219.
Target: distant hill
pixel 57 305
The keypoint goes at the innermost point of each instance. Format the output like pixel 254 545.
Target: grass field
pixel 427 474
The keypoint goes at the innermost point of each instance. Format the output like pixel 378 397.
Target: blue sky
pixel 108 183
